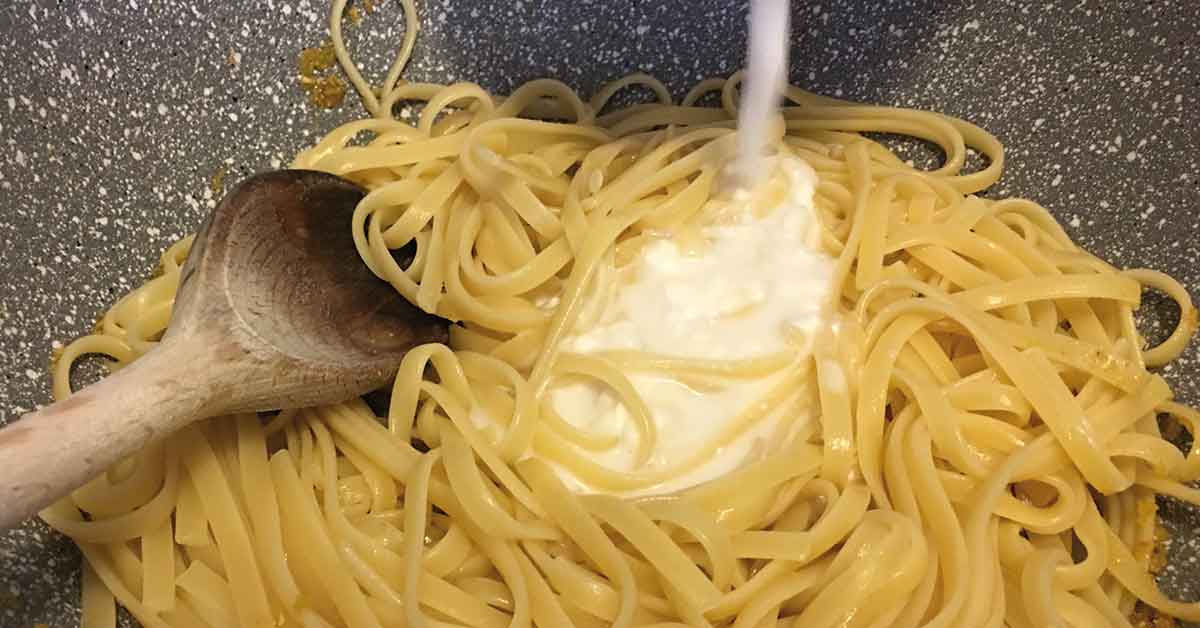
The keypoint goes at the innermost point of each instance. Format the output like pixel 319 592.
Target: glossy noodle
pixel 984 448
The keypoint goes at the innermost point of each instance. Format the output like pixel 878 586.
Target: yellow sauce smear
pixel 325 89
pixel 217 184
pixel 318 66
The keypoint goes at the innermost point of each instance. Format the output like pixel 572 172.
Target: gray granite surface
pixel 116 114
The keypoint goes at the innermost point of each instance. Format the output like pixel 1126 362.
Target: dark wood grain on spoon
pixel 274 310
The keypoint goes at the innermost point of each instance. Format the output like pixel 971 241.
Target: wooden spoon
pixel 274 310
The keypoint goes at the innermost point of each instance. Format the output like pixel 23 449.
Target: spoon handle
pixel 48 453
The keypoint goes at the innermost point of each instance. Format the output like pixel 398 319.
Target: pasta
pixel 985 448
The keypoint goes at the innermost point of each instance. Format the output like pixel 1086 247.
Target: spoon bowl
pixel 278 259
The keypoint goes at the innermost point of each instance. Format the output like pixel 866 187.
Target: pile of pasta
pixel 977 445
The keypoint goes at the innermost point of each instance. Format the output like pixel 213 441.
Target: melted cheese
pixel 754 284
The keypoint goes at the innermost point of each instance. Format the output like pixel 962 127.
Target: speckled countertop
pixel 116 114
